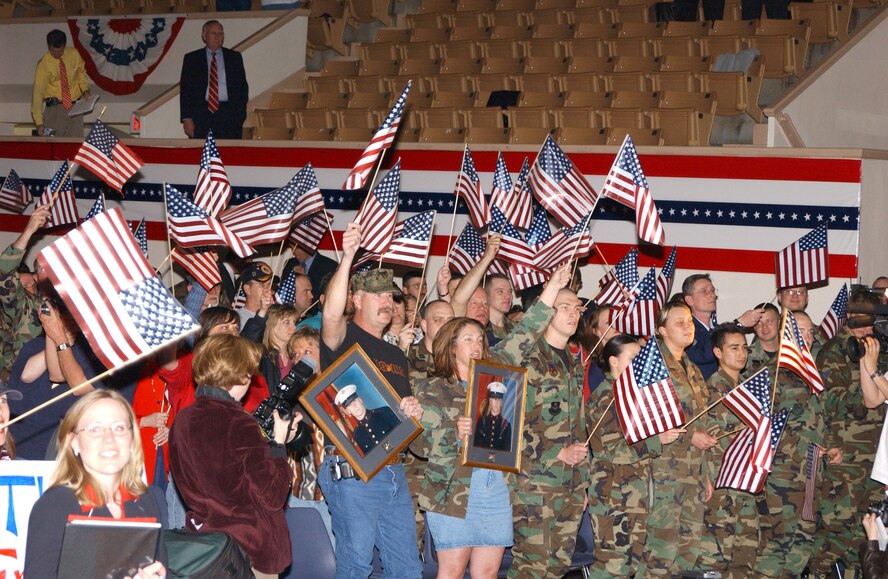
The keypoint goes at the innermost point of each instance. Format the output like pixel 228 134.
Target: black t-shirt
pixel 389 359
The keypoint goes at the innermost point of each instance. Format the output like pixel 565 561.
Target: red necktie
pixel 213 95
pixel 63 84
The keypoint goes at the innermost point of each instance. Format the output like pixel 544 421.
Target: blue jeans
pixel 380 513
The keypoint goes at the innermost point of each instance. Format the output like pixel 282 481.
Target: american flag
pixel 645 398
pixel 97 207
pixel 513 248
pixel 568 241
pixel 213 190
pixel 539 231
pixel 141 235
pixel 286 293
pixel 513 201
pixel 559 186
pixel 812 465
pixel 309 232
pixel 191 226
pixel 616 283
pixel 240 298
pixel 637 315
pixel 199 264
pixel 109 287
pixel 381 141
pixel 751 402
pixel 737 470
pixel 380 211
pixel 804 262
pixel 835 318
pixel 64 208
pixel 265 219
pixel 14 195
pixel 468 186
pixel 107 158
pixel 794 354
pixel 523 199
pixel 524 277
pixel 626 184
pixel 410 242
pixel 467 250
pixel 308 199
pixel 664 280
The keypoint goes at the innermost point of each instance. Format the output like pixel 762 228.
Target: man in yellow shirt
pixel 59 81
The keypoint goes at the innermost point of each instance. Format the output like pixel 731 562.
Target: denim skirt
pixel 488 521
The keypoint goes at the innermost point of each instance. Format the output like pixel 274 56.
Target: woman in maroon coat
pixel 232 478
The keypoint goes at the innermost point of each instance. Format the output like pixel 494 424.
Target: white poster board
pixel 22 482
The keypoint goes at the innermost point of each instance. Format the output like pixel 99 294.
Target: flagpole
pixel 425 263
pixel 579 239
pixel 58 190
pixel 707 409
pixel 597 424
pixel 455 205
pixel 727 434
pixel 94 379
pixel 166 208
pixel 158 268
pixel 332 235
pixel 277 258
pixel 609 326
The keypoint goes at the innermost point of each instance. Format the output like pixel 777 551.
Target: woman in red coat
pixel 231 477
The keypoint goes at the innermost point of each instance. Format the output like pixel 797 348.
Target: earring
pixel 76 453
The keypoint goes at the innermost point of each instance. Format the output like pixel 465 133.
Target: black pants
pixel 686 10
pixel 226 122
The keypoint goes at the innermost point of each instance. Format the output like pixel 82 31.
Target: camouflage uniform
pixel 501 333
pixel 856 430
pixel 419 359
pixel 731 541
pixel 549 496
pixel 18 309
pixel 676 520
pixel 619 496
pixel 787 539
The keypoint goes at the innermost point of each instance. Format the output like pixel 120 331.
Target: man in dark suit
pixel 315 265
pixel 213 90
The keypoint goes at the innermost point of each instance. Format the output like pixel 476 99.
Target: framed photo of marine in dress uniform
pixel 495 402
pixel 360 413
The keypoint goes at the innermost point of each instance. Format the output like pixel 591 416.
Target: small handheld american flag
pixel 805 261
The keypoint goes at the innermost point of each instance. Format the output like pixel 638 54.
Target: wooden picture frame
pixel 495 443
pixel 366 451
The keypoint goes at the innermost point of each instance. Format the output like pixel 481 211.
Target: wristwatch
pixel 63 346
pixel 875 375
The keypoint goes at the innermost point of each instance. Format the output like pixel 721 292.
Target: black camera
pixel 283 399
pixel 880 509
pixel 855 346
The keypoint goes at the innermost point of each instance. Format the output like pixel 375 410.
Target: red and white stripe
pixel 195 231
pixel 646 410
pixel 647 220
pixel 570 200
pixel 114 170
pixel 737 471
pixel 200 265
pixel 797 358
pixel 524 277
pixel 250 221
pixel 213 190
pixel 64 208
pixel 308 233
pixel 559 248
pixel 796 267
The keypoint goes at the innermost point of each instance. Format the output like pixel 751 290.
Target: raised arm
pixel 333 321
pixel 463 292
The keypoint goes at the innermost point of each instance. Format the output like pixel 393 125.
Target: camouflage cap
pixel 374 281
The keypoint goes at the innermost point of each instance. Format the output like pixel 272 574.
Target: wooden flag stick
pixel 159 267
pixel 332 235
pixel 58 189
pixel 166 208
pixel 597 424
pixel 425 264
pixel 577 246
pixel 455 205
pixel 609 326
pixel 727 434
pixel 277 258
pixel 94 379
pixel 777 370
pixel 705 410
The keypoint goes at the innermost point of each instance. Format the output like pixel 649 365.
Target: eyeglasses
pixel 96 430
pixel 796 292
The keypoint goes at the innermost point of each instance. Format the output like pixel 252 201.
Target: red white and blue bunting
pixel 120 53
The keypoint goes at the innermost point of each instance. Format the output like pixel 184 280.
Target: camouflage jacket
pixel 757 358
pixel 720 420
pixel 18 308
pixel 446 483
pixel 501 333
pixel 853 427
pixel 608 443
pixel 805 423
pixel 681 461
pixel 553 412
pixel 419 360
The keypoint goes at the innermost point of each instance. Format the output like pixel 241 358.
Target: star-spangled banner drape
pixel 382 140
pixel 14 195
pixel 121 53
pixel 112 292
pixel 107 158
pixel 645 398
pixel 213 189
pixel 835 318
pixel 626 184
pixel 805 261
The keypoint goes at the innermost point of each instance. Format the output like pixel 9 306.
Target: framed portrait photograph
pixel 495 403
pixel 359 412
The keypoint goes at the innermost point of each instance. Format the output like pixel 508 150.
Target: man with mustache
pixel 380 511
